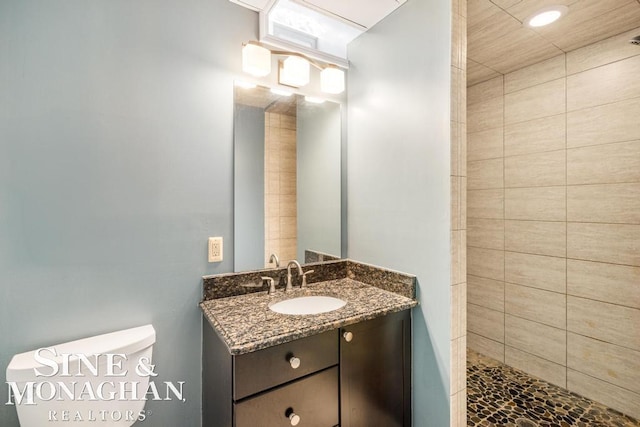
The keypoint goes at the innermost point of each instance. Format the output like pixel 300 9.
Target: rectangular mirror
pixel 287 177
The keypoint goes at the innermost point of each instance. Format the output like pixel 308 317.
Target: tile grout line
pixel 504 210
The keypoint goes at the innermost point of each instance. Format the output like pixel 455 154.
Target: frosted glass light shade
pixel 294 71
pixel 332 80
pixel 256 60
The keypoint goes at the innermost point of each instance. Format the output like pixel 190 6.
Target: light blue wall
pixel 248 200
pixel 398 177
pixel 319 178
pixel 115 166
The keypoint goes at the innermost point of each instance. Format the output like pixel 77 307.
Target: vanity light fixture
pixel 546 16
pixel 332 80
pixel 294 71
pixel 314 100
pixel 256 60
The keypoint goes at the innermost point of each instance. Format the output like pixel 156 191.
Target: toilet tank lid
pixel 126 342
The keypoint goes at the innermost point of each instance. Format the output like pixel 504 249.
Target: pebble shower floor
pixel 499 395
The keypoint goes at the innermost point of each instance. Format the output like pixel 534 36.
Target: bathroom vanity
pixel 347 367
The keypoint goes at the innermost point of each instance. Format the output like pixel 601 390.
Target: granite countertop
pixel 246 324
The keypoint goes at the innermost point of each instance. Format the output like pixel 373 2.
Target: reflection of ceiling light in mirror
pixel 546 16
pixel 332 80
pixel 256 60
pixel 294 71
pixel 314 100
pixel 281 92
pixel 244 85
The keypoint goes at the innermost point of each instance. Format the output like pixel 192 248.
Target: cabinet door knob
pixel 295 419
pixel 295 364
pixel 348 336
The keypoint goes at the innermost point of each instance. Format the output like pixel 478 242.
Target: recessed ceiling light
pixel 546 16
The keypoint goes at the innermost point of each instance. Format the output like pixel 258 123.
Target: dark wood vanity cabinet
pixel 355 376
pixel 375 372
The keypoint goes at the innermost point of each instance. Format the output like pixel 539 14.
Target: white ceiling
pixel 499 43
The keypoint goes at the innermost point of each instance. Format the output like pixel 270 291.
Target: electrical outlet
pixel 215 249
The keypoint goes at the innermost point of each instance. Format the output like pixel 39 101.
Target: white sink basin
pixel 307 305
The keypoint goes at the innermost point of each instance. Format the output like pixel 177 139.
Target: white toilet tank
pixel 101 380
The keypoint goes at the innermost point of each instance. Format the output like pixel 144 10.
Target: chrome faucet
pixel 297 264
pixel 274 258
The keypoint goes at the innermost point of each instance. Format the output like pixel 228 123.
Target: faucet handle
pixel 272 284
pixel 304 278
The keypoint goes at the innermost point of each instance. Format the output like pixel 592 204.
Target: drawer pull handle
pixel 295 364
pixel 348 336
pixel 295 419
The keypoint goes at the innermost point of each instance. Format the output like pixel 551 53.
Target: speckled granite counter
pixel 245 323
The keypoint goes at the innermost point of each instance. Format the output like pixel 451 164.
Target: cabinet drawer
pixel 263 369
pixel 314 399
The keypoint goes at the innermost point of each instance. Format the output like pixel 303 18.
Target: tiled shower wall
pixel 458 214
pixel 280 187
pixel 554 221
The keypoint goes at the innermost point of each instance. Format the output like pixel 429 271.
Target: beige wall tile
pixel 536 237
pixel 477 73
pixel 463 203
pixel 535 304
pixel 287 184
pixel 485 174
pixel 604 123
pixel 458 256
pixel 485 114
pixel 458 364
pixel 455 148
pixel 616 284
pixel 535 136
pixel 536 170
pixel 537 271
pixel 604 164
pixel 458 408
pixel 455 203
pixel 614 243
pixel 487 293
pixel 485 204
pixel 458 310
pixel 547 99
pixel 486 322
pixel 606 393
pixel 607 322
pixel 457 79
pixel 604 85
pixel 485 233
pixel 542 72
pixel 536 366
pixel 535 338
pixel 288 122
pixel 463 150
pixel 610 203
pixel 486 263
pixel 537 203
pixel 491 348
pixel 288 226
pixel 486 144
pixel 485 90
pixel 611 363
pixel 604 52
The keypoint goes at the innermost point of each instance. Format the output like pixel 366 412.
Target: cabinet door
pixel 375 372
pixel 313 399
